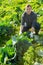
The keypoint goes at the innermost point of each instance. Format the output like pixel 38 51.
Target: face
pixel 28 10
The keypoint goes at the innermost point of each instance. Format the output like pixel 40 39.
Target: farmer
pixel 29 20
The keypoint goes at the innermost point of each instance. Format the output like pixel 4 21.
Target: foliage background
pixel 10 15
pixel 10 20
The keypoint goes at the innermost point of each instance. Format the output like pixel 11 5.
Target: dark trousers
pixel 36 26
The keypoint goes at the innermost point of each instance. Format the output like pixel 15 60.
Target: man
pixel 29 20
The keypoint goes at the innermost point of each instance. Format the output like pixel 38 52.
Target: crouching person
pixel 29 20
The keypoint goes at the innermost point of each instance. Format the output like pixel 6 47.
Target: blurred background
pixel 10 20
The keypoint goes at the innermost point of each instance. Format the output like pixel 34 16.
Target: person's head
pixel 28 9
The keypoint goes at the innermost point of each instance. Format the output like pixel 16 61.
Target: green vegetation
pixel 28 50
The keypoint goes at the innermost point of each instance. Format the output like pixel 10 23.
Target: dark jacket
pixel 29 20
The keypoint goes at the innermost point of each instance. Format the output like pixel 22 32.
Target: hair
pixel 28 5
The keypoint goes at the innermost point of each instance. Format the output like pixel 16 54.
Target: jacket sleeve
pixel 34 20
pixel 22 20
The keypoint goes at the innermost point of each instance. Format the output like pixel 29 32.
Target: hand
pixel 32 29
